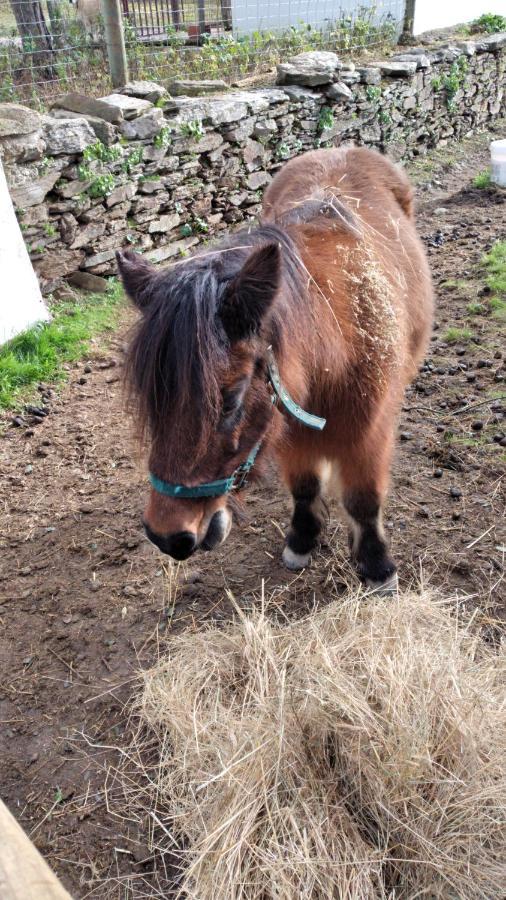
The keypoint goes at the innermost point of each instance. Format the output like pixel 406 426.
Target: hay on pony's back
pixel 359 753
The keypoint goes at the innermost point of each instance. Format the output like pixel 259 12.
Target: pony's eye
pixel 231 418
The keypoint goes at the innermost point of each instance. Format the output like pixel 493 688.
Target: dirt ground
pixel 85 601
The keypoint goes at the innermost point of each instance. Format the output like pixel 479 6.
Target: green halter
pixel 238 478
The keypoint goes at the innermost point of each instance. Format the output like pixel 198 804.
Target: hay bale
pixel 356 754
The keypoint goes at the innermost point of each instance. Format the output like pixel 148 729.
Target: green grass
pixel 483 179
pixel 454 284
pixel 475 309
pixel 455 335
pixel 40 353
pixel 494 263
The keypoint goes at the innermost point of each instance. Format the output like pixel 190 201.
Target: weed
pixel 282 151
pixel 192 129
pixel 437 83
pixel 163 138
pixel 490 22
pixel 49 229
pixel 102 153
pixel 494 264
pixel 384 117
pixel 101 186
pixel 373 93
pixel 326 119
pixel 39 353
pixel 133 159
pixel 483 179
pixel 455 335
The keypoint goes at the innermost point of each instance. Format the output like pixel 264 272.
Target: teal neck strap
pixel 238 478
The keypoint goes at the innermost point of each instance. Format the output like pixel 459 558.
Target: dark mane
pixel 179 346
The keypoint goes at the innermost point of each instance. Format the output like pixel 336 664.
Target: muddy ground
pixel 85 600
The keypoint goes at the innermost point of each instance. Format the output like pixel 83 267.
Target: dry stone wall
pixel 160 173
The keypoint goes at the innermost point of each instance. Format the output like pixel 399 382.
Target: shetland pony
pixel 333 287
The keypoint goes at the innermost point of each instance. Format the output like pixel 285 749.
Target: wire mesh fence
pixel 48 47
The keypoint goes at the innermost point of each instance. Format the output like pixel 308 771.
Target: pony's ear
pixel 137 276
pixel 250 294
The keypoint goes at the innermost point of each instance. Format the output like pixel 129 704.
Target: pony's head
pixel 198 373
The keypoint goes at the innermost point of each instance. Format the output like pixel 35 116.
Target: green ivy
pixel 326 119
pixel 192 129
pixel 102 153
pixel 163 138
pixel 101 186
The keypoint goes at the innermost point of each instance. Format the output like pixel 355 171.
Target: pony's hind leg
pixel 364 476
pixel 308 519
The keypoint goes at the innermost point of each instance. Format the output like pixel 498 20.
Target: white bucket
pixel 498 157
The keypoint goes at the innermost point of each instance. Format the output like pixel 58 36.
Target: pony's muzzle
pixel 180 545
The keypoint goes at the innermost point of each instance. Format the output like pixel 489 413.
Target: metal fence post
pixel 115 42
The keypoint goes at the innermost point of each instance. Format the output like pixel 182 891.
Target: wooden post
pixel 408 23
pixel 115 42
pixel 24 874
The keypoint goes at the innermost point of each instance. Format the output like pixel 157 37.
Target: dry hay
pixel 358 753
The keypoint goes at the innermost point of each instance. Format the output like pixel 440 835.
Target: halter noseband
pixel 239 476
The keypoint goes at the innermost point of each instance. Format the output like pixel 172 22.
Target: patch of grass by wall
pixel 494 263
pixel 40 353
pixel 483 179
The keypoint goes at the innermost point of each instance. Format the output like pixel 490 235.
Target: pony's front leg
pixel 309 516
pixel 364 476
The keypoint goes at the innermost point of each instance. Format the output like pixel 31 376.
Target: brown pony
pixel 334 284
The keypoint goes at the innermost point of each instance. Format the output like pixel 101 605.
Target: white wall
pixel 21 303
pixel 431 14
pixel 273 15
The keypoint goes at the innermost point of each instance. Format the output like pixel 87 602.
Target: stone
pixel 263 131
pixel 369 74
pixel 52 267
pixel 175 248
pixel 129 107
pixel 338 91
pixel 310 69
pixel 121 193
pixel 186 88
pixel 104 131
pixel 68 228
pixel 253 154
pixel 32 189
pixel 98 258
pixel 79 103
pixel 468 48
pixel 211 141
pixel 421 60
pixel 215 112
pixel 22 148
pixel 298 94
pixel 16 119
pixel 164 223
pixel 73 188
pixel 146 90
pixel 145 127
pixel 66 135
pixel 492 42
pixel 242 131
pixel 257 180
pixel 36 215
pixel 396 69
pixel 349 77
pixel 87 234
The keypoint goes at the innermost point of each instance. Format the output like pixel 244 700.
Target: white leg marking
pixel 295 561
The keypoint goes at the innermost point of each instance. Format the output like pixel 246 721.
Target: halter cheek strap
pixel 238 478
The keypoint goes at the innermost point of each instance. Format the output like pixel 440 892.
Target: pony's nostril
pixel 182 545
pixel 179 546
